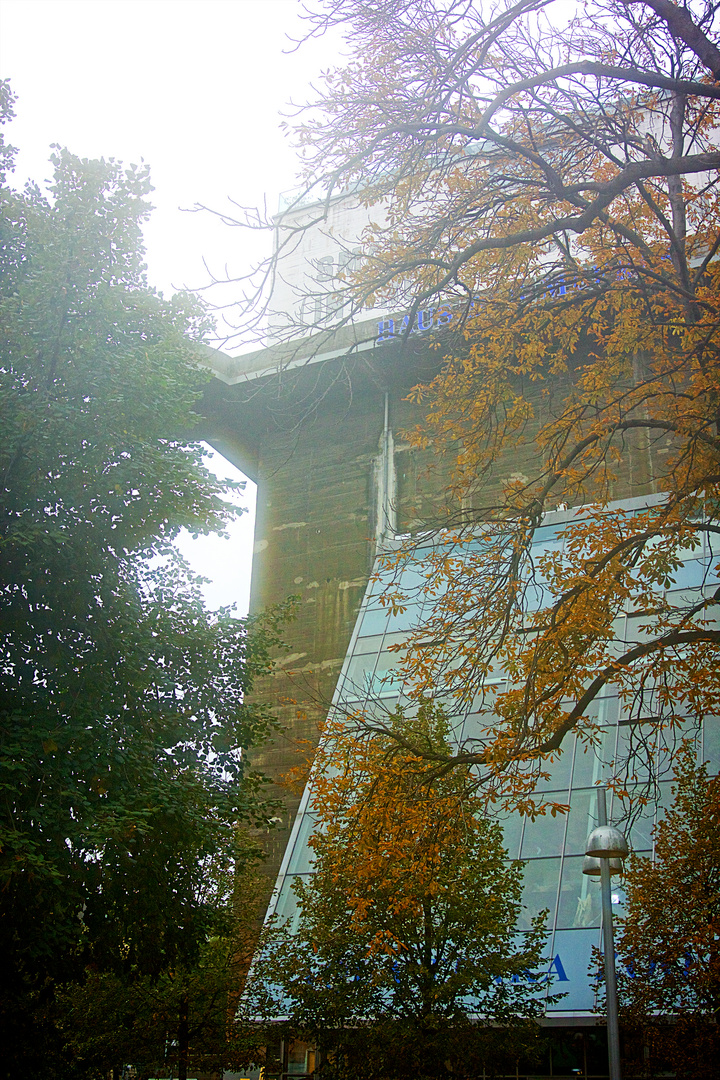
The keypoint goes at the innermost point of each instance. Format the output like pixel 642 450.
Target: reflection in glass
pixel 637 744
pixel 591 760
pixel 582 819
pixel 544 835
pixel 579 903
pixel 540 884
pixel 512 827
pixel 635 820
pixel 303 857
pixel 358 675
pixel 559 779
pixel 618 899
pixel 286 909
pixel 301 1059
pixel 380 708
pixel 476 721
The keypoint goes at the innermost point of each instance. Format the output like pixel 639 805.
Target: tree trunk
pixel 183 1039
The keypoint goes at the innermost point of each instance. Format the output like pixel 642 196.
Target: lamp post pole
pixel 609 949
pixel 606 847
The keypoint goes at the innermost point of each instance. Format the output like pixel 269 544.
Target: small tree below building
pixel 405 959
pixel 670 942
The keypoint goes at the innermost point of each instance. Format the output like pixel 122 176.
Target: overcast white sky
pixel 195 89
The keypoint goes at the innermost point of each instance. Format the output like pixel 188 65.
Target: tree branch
pixel 680 24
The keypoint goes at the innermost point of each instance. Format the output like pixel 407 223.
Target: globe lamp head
pixel 607 842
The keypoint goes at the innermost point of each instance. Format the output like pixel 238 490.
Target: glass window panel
pixel 688 574
pixel 512 827
pixel 303 857
pixel 582 819
pixel 404 620
pixel 473 725
pixel 394 639
pixel 389 687
pixel 590 764
pixel 385 680
pixel 346 705
pixel 559 779
pixel 380 709
pixel 636 745
pixel 540 884
pixel 646 703
pixel 711 743
pixel 483 706
pixel 669 740
pixel 572 957
pixel 358 673
pixel 632 817
pixel 711 545
pixel 687 597
pixel 711 572
pixel 413 581
pixel 455 720
pixel 386 661
pixel 377 586
pixel 543 545
pixel 637 628
pixel 640 833
pixel 299 1055
pixel 604 710
pixel 286 908
pixel 543 836
pixel 372 644
pixel 580 904
pixel 535 596
pixel 536 592
pixel 374 621
pixel 546 534
pixel 665 799
pixel 591 760
pixel 618 898
pixel 619 628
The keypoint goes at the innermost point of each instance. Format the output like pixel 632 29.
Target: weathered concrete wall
pixel 311 436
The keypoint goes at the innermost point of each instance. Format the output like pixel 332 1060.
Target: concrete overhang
pixel 259 392
pixel 287 355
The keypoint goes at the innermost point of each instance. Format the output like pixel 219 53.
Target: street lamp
pixel 606 848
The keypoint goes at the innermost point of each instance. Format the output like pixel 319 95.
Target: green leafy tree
pixel 405 959
pixel 182 1018
pixel 670 938
pixel 124 725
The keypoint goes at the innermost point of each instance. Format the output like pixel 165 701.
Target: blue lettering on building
pixel 557 969
pixel 388 329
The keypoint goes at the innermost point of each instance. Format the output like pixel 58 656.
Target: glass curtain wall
pixel 551 848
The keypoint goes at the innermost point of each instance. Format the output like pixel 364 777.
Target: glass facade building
pixel 552 848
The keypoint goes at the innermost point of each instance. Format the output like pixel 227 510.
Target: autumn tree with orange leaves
pixel 670 937
pixel 404 960
pixel 553 182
